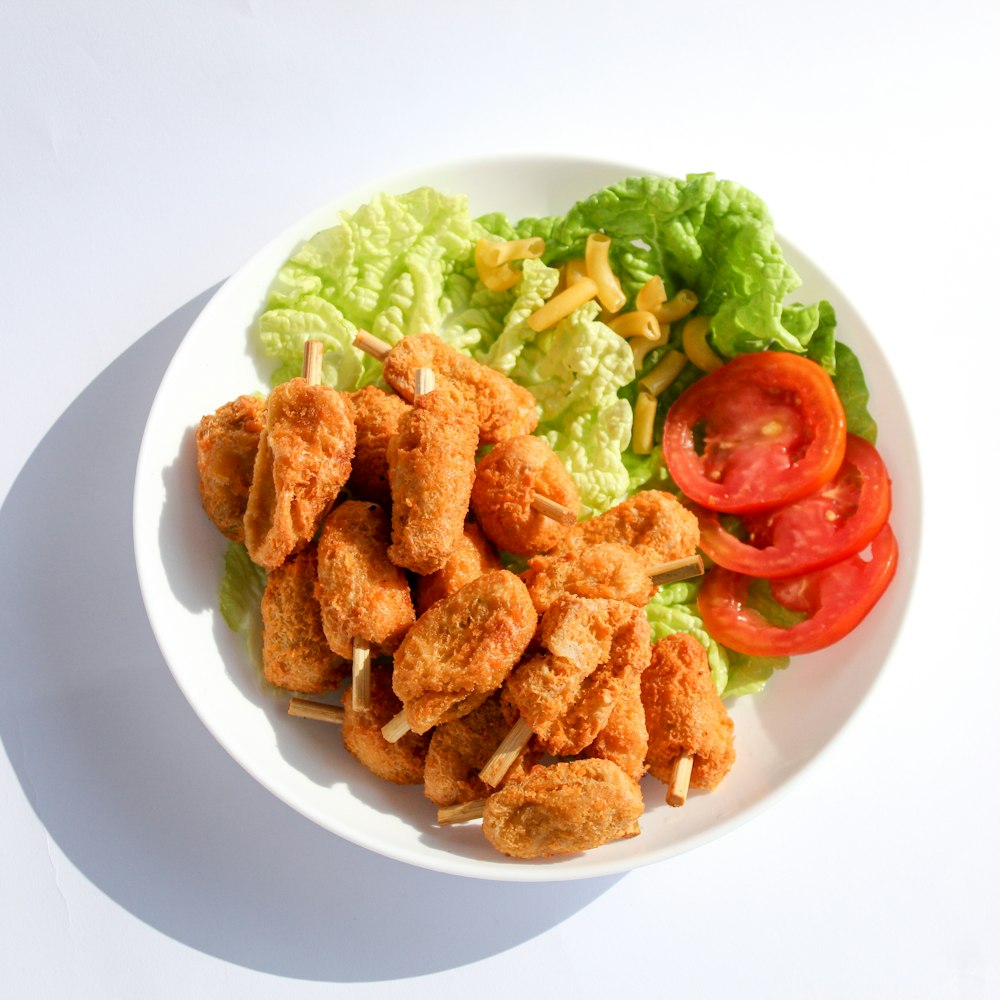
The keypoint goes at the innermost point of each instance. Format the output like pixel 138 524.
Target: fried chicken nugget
pixel 603 570
pixel 685 714
pixel 562 809
pixel 432 463
pixel 652 522
pixel 591 650
pixel 303 462
pixel 507 480
pixel 227 446
pixel 460 651
pixel 473 556
pixel 625 739
pixel 376 418
pixel 401 762
pixel 361 593
pixel 296 654
pixel 503 408
pixel 459 749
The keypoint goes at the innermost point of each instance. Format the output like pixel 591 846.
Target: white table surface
pixel 145 151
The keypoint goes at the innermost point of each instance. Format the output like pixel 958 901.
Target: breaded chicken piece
pixel 652 522
pixel 685 714
pixel 507 480
pixel 361 593
pixel 625 740
pixel 401 762
pixel 303 462
pixel 459 749
pixel 591 650
pixel 432 463
pixel 376 418
pixel 602 570
pixel 227 446
pixel 504 408
pixel 473 556
pixel 296 654
pixel 462 649
pixel 562 809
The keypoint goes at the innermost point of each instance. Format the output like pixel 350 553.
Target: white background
pixel 146 150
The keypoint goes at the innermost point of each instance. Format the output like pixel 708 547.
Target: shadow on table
pixel 134 790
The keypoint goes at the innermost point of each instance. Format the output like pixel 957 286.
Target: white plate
pixel 178 555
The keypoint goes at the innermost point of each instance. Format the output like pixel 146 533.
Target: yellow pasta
pixel 496 279
pixel 642 347
pixel 669 367
pixel 575 270
pixel 643 422
pixel 651 296
pixel 495 254
pixel 561 305
pixel 609 290
pixel 696 346
pixel 636 324
pixel 678 307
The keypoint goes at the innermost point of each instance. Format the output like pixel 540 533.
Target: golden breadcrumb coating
pixel 473 556
pixel 625 739
pixel 562 809
pixel 602 570
pixel 432 463
pixel 296 654
pixel 461 650
pixel 376 418
pixel 685 714
pixel 592 648
pixel 303 462
pixel 227 446
pixel 507 480
pixel 652 522
pixel 459 750
pixel 504 408
pixel 361 593
pixel 401 762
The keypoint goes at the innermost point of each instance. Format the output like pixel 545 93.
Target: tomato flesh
pixel 836 599
pixel 837 520
pixel 764 429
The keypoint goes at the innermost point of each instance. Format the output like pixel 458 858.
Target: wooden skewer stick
pixel 302 708
pixel 423 382
pixel 462 812
pixel 378 349
pixel 677 569
pixel 505 754
pixel 552 509
pixel 361 659
pixel 680 778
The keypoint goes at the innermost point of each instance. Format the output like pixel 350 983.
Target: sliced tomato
pixel 763 430
pixel 835 599
pixel 836 521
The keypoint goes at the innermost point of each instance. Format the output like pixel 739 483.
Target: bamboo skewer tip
pixel 504 756
pixel 396 728
pixel 378 349
pixel 303 708
pixel 677 569
pixel 361 675
pixel 462 812
pixel 312 362
pixel 423 382
pixel 556 511
pixel 680 780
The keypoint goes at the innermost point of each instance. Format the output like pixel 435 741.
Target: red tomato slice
pixel 772 430
pixel 836 521
pixel 836 599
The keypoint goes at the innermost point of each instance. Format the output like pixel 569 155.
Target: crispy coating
pixel 459 750
pixel 461 650
pixel 376 418
pixel 303 462
pixel 361 593
pixel 602 570
pixel 472 557
pixel 432 463
pixel 562 809
pixel 625 739
pixel 652 522
pixel 296 654
pixel 507 480
pixel 591 650
pixel 227 446
pixel 504 408
pixel 401 762
pixel 685 714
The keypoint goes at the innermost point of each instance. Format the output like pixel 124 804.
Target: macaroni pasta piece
pixel 696 346
pixel 636 324
pixel 561 305
pixel 495 254
pixel 609 290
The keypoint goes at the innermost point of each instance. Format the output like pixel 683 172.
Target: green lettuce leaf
pixel 853 392
pixel 240 594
